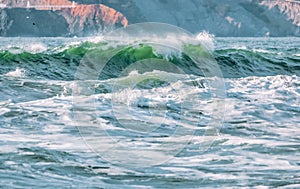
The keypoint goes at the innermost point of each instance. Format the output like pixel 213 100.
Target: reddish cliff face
pixel 96 12
pixel 110 15
pixel 92 17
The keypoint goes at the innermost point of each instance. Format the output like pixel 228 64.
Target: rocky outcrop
pixel 85 19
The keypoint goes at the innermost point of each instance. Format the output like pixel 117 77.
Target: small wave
pixel 242 47
pixel 243 63
pixel 261 51
pixel 28 47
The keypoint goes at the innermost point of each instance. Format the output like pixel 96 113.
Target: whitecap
pixel 18 72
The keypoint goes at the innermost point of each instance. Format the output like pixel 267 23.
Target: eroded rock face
pixel 94 18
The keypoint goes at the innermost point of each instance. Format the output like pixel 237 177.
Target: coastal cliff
pixel 244 18
pixel 92 18
pixel 55 18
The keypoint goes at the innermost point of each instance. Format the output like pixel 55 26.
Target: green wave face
pixel 60 63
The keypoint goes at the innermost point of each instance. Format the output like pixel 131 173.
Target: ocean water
pixel 148 118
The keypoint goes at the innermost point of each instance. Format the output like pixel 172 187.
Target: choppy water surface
pixel 258 144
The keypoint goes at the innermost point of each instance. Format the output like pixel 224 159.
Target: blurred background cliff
pixel 236 18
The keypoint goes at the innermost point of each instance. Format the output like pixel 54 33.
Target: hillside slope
pixel 222 18
pixel 249 18
pixel 18 20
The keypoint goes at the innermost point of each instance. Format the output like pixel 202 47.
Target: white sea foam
pixel 36 47
pixel 169 45
pixel 242 47
pixel 261 51
pixel 31 46
pixel 206 39
pixel 166 52
pixel 158 35
pixel 18 72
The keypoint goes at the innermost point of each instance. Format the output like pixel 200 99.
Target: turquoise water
pixel 159 116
